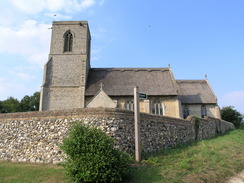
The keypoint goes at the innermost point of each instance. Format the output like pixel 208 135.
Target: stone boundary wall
pixel 36 136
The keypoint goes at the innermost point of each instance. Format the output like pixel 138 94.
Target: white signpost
pixel 137 124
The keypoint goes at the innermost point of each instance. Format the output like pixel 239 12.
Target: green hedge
pixel 91 156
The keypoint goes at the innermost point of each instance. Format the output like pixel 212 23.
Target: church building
pixel 70 82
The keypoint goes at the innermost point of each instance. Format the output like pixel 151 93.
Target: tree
pixel 35 101
pixel 30 103
pixel 27 103
pixel 10 105
pixel 1 107
pixel 230 114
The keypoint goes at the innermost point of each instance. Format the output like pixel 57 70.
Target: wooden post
pixel 137 124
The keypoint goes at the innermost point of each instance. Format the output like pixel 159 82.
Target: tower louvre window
pixel 68 41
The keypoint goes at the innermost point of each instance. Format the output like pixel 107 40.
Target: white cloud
pixel 21 73
pixel 235 98
pixel 69 6
pixel 56 5
pixel 38 6
pixel 29 40
pixel 7 12
pixel 86 3
pixel 29 6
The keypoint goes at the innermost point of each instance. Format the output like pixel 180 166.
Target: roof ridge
pixel 190 80
pixel 132 69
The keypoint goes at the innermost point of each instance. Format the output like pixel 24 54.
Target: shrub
pixel 241 126
pixel 230 114
pixel 91 156
pixel 196 125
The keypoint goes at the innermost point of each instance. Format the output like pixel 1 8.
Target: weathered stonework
pixel 171 105
pixel 195 110
pixel 65 73
pixel 101 100
pixel 36 136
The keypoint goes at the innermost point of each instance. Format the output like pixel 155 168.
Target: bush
pixel 241 126
pixel 230 114
pixel 91 156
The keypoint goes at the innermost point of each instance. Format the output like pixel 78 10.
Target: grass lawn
pixel 212 160
pixel 207 161
pixel 31 173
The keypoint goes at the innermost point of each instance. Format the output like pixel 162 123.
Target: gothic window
pixel 68 41
pixel 203 111
pixel 129 105
pixel 157 108
pixel 185 111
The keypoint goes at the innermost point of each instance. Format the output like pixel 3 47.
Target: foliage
pixel 35 101
pixel 196 125
pixel 1 107
pixel 91 156
pixel 230 114
pixel 10 105
pixel 30 103
pixel 241 126
pixel 27 103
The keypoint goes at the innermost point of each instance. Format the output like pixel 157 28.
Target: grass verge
pixel 31 173
pixel 212 160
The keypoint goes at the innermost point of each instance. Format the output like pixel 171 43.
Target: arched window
pixel 157 108
pixel 185 111
pixel 203 111
pixel 68 41
pixel 129 105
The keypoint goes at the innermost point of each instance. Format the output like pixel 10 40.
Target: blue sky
pixel 195 37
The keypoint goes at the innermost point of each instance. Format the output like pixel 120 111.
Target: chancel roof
pixel 121 81
pixel 196 92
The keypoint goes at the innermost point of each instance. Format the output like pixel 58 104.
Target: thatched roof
pixel 196 92
pixel 121 81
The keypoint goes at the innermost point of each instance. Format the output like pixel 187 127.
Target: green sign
pixel 143 96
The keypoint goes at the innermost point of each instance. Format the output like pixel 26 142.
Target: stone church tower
pixel 65 73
